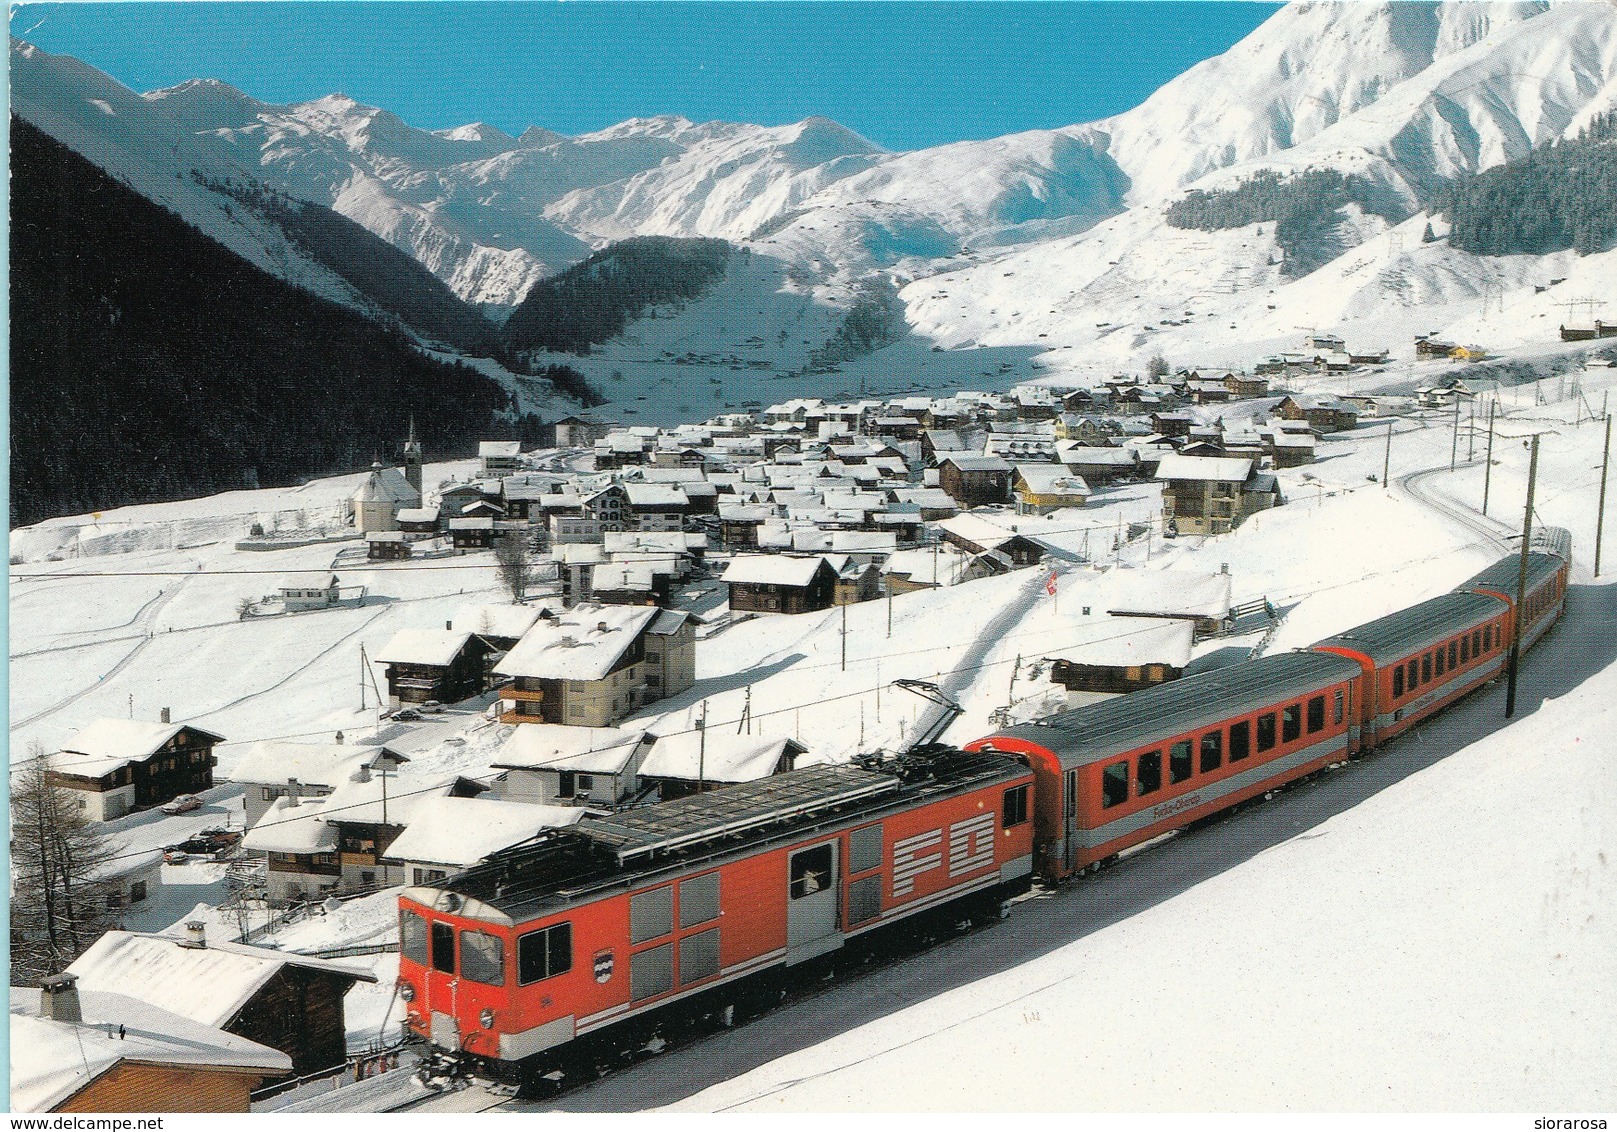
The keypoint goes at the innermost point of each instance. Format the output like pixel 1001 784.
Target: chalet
pixel 779 584
pixel 274 768
pixel 472 533
pixel 499 457
pixel 857 580
pixel 1172 424
pixel 592 665
pixel 1098 465
pixel 936 566
pixel 1240 385
pixel 442 665
pixel 739 523
pixel 647 581
pixel 975 481
pixel 1198 600
pixel 502 626
pixel 1468 353
pixel 417 523
pixel 938 443
pixel 387 546
pixel 446 835
pixel 577 562
pixel 1113 655
pixel 1432 348
pixel 1290 448
pixel 1202 496
pixel 303 592
pixel 523 498
pixel 690 762
pixel 115 766
pixel 454 500
pixel 1443 394
pixel 1373 358
pixel 976 535
pixel 302 850
pixel 1083 430
pixel 1322 342
pixel 63 1058
pixel 291 1003
pixel 555 765
pixel 1043 488
pixel 656 506
pixel 579 432
pixel 1324 415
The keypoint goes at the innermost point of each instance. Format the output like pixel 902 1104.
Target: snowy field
pixel 1456 950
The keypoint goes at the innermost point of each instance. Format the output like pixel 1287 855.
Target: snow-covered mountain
pixel 1403 95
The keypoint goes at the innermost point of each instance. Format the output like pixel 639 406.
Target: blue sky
pixel 905 75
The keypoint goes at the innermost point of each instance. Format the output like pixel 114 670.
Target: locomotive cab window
pixel 1179 761
pixel 1015 809
pixel 1241 739
pixel 546 952
pixel 1148 773
pixel 482 958
pixel 1114 785
pixel 811 871
pixel 1266 732
pixel 1316 714
pixel 443 948
pixel 1212 751
pixel 1291 722
pixel 413 938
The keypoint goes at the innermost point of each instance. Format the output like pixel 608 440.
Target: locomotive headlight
pixel 407 992
pixel 487 1018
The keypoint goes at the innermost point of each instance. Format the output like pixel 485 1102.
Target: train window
pixel 1426 669
pixel 482 958
pixel 443 948
pixel 1476 642
pixel 651 914
pixel 651 972
pixel 544 953
pixel 1439 665
pixel 1266 732
pixel 1336 706
pixel 1015 809
pixel 1240 740
pixel 1291 722
pixel 698 956
pixel 1398 681
pixel 1316 714
pixel 1465 649
pixel 1413 674
pixel 1179 761
pixel 1487 638
pixel 1148 773
pixel 864 849
pixel 698 900
pixel 864 899
pixel 1454 655
pixel 1212 751
pixel 1069 807
pixel 1114 785
pixel 413 938
pixel 811 871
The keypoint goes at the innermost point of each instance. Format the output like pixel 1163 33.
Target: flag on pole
pixel 1050 584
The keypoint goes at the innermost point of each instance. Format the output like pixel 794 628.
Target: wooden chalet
pixel 445 665
pixel 769 583
pixel 975 481
pixel 116 766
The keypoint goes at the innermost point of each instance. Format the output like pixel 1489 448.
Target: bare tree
pixel 59 862
pixel 513 559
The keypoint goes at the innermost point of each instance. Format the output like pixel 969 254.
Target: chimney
pixel 196 935
pixel 448 626
pixel 291 793
pixel 568 642
pixel 600 626
pixel 164 715
pixel 59 998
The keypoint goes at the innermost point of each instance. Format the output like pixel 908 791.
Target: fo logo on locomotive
pixel 971 846
pixel 603 966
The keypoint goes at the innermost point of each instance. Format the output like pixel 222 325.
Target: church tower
pixel 412 460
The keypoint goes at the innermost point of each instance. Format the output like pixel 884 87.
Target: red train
pixel 593 938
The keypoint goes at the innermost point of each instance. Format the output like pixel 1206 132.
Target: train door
pixel 1069 822
pixel 811 902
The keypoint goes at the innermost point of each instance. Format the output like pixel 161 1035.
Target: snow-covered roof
pixel 53 1061
pixel 286 828
pixel 459 832
pixel 108 744
pixel 324 580
pixel 1051 479
pixel 585 643
pixel 656 495
pixel 976 529
pixel 205 984
pixel 579 553
pixel 495 620
pixel 1071 452
pixel 418 515
pixel 436 647
pixel 721 757
pixel 976 463
pixel 1224 469
pixel 497 448
pixel 1182 593
pixel 590 750
pixel 317 764
pixel 942 565
pixel 772 569
pixel 387 485
pixel 475 523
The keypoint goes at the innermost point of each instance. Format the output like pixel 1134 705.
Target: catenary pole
pixel 1521 584
pixel 1386 460
pixel 1600 515
pixel 1487 472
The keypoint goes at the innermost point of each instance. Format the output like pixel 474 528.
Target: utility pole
pixel 1487 473
pixel 701 750
pixel 1521 584
pixel 1454 447
pixel 1386 459
pixel 364 670
pixel 844 637
pixel 1471 435
pixel 1600 516
pixel 889 609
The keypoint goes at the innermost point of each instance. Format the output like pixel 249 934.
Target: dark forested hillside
pixel 593 301
pixel 150 363
pixel 1304 209
pixel 1555 198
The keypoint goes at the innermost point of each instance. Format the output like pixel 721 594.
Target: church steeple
pixel 412 459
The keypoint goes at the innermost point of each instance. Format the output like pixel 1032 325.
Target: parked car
pixel 183 804
pixel 407 715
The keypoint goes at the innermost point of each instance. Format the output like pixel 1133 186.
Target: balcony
pixel 525 695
